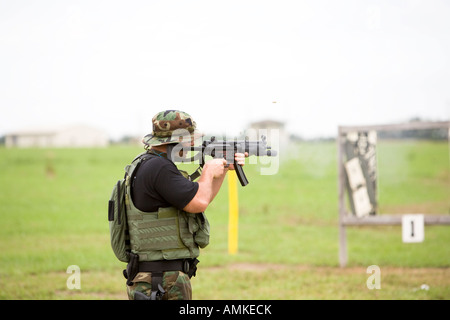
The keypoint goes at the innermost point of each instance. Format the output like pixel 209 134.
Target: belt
pixel 188 266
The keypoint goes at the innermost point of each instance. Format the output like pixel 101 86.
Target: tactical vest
pixel 166 234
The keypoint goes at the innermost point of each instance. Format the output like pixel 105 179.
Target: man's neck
pixel 160 149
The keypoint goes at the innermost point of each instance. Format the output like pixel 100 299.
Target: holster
pixel 132 268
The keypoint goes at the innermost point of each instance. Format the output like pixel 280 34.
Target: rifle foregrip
pixel 240 174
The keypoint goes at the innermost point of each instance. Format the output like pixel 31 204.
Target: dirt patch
pixel 80 295
pixel 434 208
pixel 263 267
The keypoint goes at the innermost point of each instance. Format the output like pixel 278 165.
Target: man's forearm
pixel 216 184
pixel 208 186
pixel 205 186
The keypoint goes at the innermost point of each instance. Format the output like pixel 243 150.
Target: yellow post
pixel 233 213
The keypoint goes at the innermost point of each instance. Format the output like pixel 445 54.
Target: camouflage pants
pixel 176 284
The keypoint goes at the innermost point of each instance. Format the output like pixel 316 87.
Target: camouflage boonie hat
pixel 165 123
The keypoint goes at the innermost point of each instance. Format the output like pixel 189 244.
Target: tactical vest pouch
pixel 118 227
pixel 202 235
pixel 199 228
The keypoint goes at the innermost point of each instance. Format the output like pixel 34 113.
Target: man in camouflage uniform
pixel 158 185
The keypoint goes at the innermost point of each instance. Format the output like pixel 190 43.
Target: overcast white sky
pixel 114 64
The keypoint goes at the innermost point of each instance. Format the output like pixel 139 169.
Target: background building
pixel 69 136
pixel 277 136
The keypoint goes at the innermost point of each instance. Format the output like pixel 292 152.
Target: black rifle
pixel 224 149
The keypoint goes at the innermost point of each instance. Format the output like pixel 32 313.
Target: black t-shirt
pixel 159 184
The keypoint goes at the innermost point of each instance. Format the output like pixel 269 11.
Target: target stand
pixel 357 177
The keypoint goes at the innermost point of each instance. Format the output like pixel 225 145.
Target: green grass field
pixel 53 205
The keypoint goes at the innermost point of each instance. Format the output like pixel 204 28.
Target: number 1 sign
pixel 413 228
